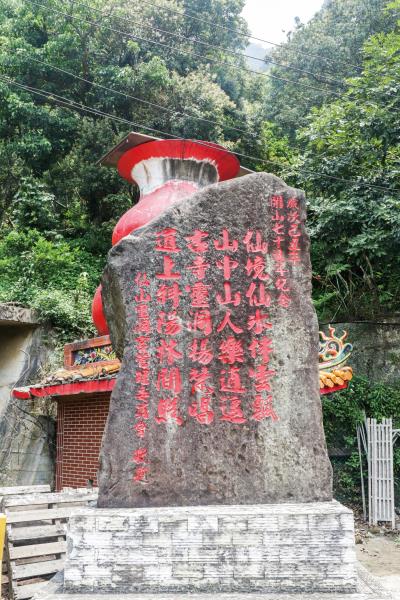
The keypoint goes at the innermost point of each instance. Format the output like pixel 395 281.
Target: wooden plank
pixel 23 489
pixel 23 592
pixel 34 569
pixel 35 532
pixel 34 559
pixel 51 498
pixel 9 568
pixel 38 550
pixel 40 515
pixel 27 507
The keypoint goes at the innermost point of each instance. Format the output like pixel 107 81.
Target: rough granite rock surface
pixel 263 442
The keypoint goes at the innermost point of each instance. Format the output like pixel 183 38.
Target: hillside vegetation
pixel 324 115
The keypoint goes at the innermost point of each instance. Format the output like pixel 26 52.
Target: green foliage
pixel 51 276
pixel 33 206
pixel 343 411
pixel 330 48
pixel 355 229
pixel 51 186
pixel 57 206
pixel 275 149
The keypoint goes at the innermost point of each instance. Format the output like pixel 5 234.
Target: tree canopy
pixel 323 115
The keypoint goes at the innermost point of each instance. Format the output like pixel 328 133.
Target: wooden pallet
pixel 23 489
pixel 12 491
pixel 36 541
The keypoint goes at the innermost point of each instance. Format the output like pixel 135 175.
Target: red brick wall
pixel 80 425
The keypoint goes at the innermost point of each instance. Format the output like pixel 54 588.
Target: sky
pixel 269 19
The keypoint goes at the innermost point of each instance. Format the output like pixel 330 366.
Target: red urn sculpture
pixel 166 171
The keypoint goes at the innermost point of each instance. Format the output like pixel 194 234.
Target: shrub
pixel 342 412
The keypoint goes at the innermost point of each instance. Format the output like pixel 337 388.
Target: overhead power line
pixel 242 34
pixel 183 51
pixel 147 102
pixel 142 24
pixel 73 105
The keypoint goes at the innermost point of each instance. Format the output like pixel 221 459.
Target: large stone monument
pixel 218 397
pixel 214 470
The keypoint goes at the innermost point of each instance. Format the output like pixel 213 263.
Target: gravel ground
pixel 380 555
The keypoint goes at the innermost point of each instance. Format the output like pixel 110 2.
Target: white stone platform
pixel 368 588
pixel 293 548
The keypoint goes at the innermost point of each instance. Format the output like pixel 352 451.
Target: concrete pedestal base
pixel 261 548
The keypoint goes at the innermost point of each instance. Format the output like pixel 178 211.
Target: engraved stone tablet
pixel 217 401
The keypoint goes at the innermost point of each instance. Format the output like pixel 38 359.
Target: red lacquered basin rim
pixel 225 162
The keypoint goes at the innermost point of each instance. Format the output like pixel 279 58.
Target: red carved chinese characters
pixel 201 326
pixel 166 241
pixel 263 409
pixel 225 245
pixel 169 326
pixel 230 381
pixel 231 409
pixel 228 332
pixel 199 267
pixel 196 241
pixel 142 331
pixel 201 407
pixel 200 351
pixel 287 231
pixel 167 411
pixel 227 322
pixel 169 379
pixel 231 351
pixel 202 321
pixel 254 242
pixel 294 232
pixel 259 297
pixel 168 274
pixel 168 323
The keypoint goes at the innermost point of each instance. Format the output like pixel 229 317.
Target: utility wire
pixel 328 80
pixel 187 52
pixel 242 34
pixel 173 112
pixel 72 104
pixel 147 102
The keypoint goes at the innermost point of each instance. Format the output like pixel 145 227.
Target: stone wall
pixel 27 433
pixel 376 353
